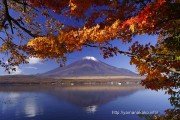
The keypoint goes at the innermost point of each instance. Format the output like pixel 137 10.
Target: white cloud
pixel 34 60
pixel 31 67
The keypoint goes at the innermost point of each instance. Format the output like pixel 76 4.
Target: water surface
pixel 79 102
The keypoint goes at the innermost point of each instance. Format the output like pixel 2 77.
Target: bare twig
pixel 7 16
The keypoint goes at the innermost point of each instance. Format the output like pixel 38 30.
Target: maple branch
pixel 7 16
pixel 24 29
pixel 25 4
pixel 103 47
pixel 156 64
pixel 139 58
pixel 3 20
pixel 11 19
pixel 2 39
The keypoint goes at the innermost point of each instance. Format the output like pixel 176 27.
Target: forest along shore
pixel 16 88
pixel 84 80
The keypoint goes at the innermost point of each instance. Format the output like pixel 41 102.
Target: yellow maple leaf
pixel 132 27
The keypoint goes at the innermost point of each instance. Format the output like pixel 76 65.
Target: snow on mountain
pixel 89 58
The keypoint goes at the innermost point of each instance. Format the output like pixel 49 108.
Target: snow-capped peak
pixel 89 58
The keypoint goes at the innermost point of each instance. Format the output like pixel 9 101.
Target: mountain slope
pixel 88 66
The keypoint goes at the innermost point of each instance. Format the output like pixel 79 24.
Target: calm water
pixel 79 102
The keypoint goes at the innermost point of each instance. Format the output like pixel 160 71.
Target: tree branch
pixel 139 58
pixel 25 4
pixel 24 29
pixel 119 51
pixel 7 16
pixel 159 65
pixel 10 20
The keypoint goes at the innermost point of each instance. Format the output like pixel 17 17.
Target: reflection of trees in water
pixel 85 97
pixel 172 87
pixel 23 88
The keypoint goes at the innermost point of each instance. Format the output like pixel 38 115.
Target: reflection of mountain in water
pixel 89 98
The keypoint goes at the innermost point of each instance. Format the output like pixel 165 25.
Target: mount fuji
pixel 88 66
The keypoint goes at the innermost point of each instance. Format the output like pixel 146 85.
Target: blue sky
pixel 37 66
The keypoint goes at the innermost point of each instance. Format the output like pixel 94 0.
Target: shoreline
pixel 69 87
pixel 91 80
pixel 83 80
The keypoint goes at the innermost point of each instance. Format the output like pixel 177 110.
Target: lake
pixel 80 102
